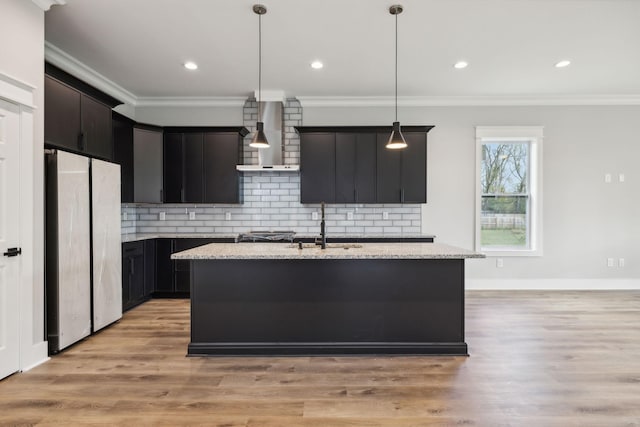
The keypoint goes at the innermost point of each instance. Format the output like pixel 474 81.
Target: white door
pixel 9 237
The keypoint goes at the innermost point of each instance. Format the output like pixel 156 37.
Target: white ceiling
pixel 511 46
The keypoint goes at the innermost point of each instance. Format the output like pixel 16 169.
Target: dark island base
pixel 327 307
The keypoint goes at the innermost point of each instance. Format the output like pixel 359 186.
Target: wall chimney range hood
pixel 270 158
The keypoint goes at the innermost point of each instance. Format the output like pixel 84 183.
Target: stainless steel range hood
pixel 270 159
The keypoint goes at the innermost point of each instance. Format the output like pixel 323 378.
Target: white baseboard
pixel 552 284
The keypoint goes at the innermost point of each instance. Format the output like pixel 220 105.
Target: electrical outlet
pixel 227 216
pixel 314 216
pixel 385 215
pixel 162 216
pixel 610 262
pixel 350 216
pixel 499 263
pixel 125 217
pixel 621 262
pixel 621 177
pixel 192 215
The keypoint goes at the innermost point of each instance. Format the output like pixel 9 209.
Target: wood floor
pixel 537 359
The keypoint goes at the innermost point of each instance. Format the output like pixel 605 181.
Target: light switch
pixel 192 215
pixel 621 177
pixel 499 263
pixel 609 262
pixel 621 262
pixel 607 178
pixel 385 215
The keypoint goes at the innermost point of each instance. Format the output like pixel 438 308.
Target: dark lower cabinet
pixel 173 277
pixel 164 268
pixel 133 269
pixel 150 267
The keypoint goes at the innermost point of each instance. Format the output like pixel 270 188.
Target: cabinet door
pixel 317 168
pixel 164 266
pixel 96 128
pixel 137 278
pixel 365 168
pixel 147 160
pixel 172 172
pixel 123 155
pixel 61 115
pixel 388 176
pixel 414 168
pixel 192 168
pixel 126 282
pixel 221 180
pixel 149 267
pixel 346 159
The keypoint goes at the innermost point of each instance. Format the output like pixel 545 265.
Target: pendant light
pixel 396 140
pixel 259 140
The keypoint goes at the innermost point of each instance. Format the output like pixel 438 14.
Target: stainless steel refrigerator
pixel 83 249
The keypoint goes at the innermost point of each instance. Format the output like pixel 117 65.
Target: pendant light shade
pixel 396 139
pixel 259 139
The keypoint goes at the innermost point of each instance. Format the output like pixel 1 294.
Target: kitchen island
pixel 369 298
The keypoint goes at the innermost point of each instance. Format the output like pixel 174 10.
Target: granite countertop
pixel 134 237
pixel 333 251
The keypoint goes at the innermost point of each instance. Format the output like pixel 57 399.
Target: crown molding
pixel 466 101
pixel 190 101
pixel 46 4
pixel 66 62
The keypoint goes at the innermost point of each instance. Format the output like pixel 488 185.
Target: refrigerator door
pixel 68 250
pixel 107 247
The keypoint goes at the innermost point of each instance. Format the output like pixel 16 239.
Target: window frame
pixel 533 136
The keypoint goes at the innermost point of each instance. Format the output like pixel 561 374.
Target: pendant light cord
pixel 259 62
pixel 396 67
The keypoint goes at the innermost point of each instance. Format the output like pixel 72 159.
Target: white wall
pixel 585 220
pixel 22 35
pixel 190 116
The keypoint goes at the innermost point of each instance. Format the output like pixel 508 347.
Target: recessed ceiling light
pixel 562 64
pixel 316 65
pixel 460 64
pixel 189 65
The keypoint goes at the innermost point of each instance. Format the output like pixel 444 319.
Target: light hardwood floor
pixel 537 359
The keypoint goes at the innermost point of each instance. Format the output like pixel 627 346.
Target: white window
pixel 509 190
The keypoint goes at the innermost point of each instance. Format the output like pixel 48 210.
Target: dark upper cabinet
pixel 200 164
pixel 77 116
pixel 95 128
pixel 402 174
pixel 318 167
pixel 389 175
pixel 192 168
pixel 122 132
pixel 221 154
pixel 350 164
pixel 147 163
pixel 173 167
pixel 414 168
pixel 62 115
pixel 355 168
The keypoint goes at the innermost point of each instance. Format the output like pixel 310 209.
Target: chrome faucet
pixel 323 231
